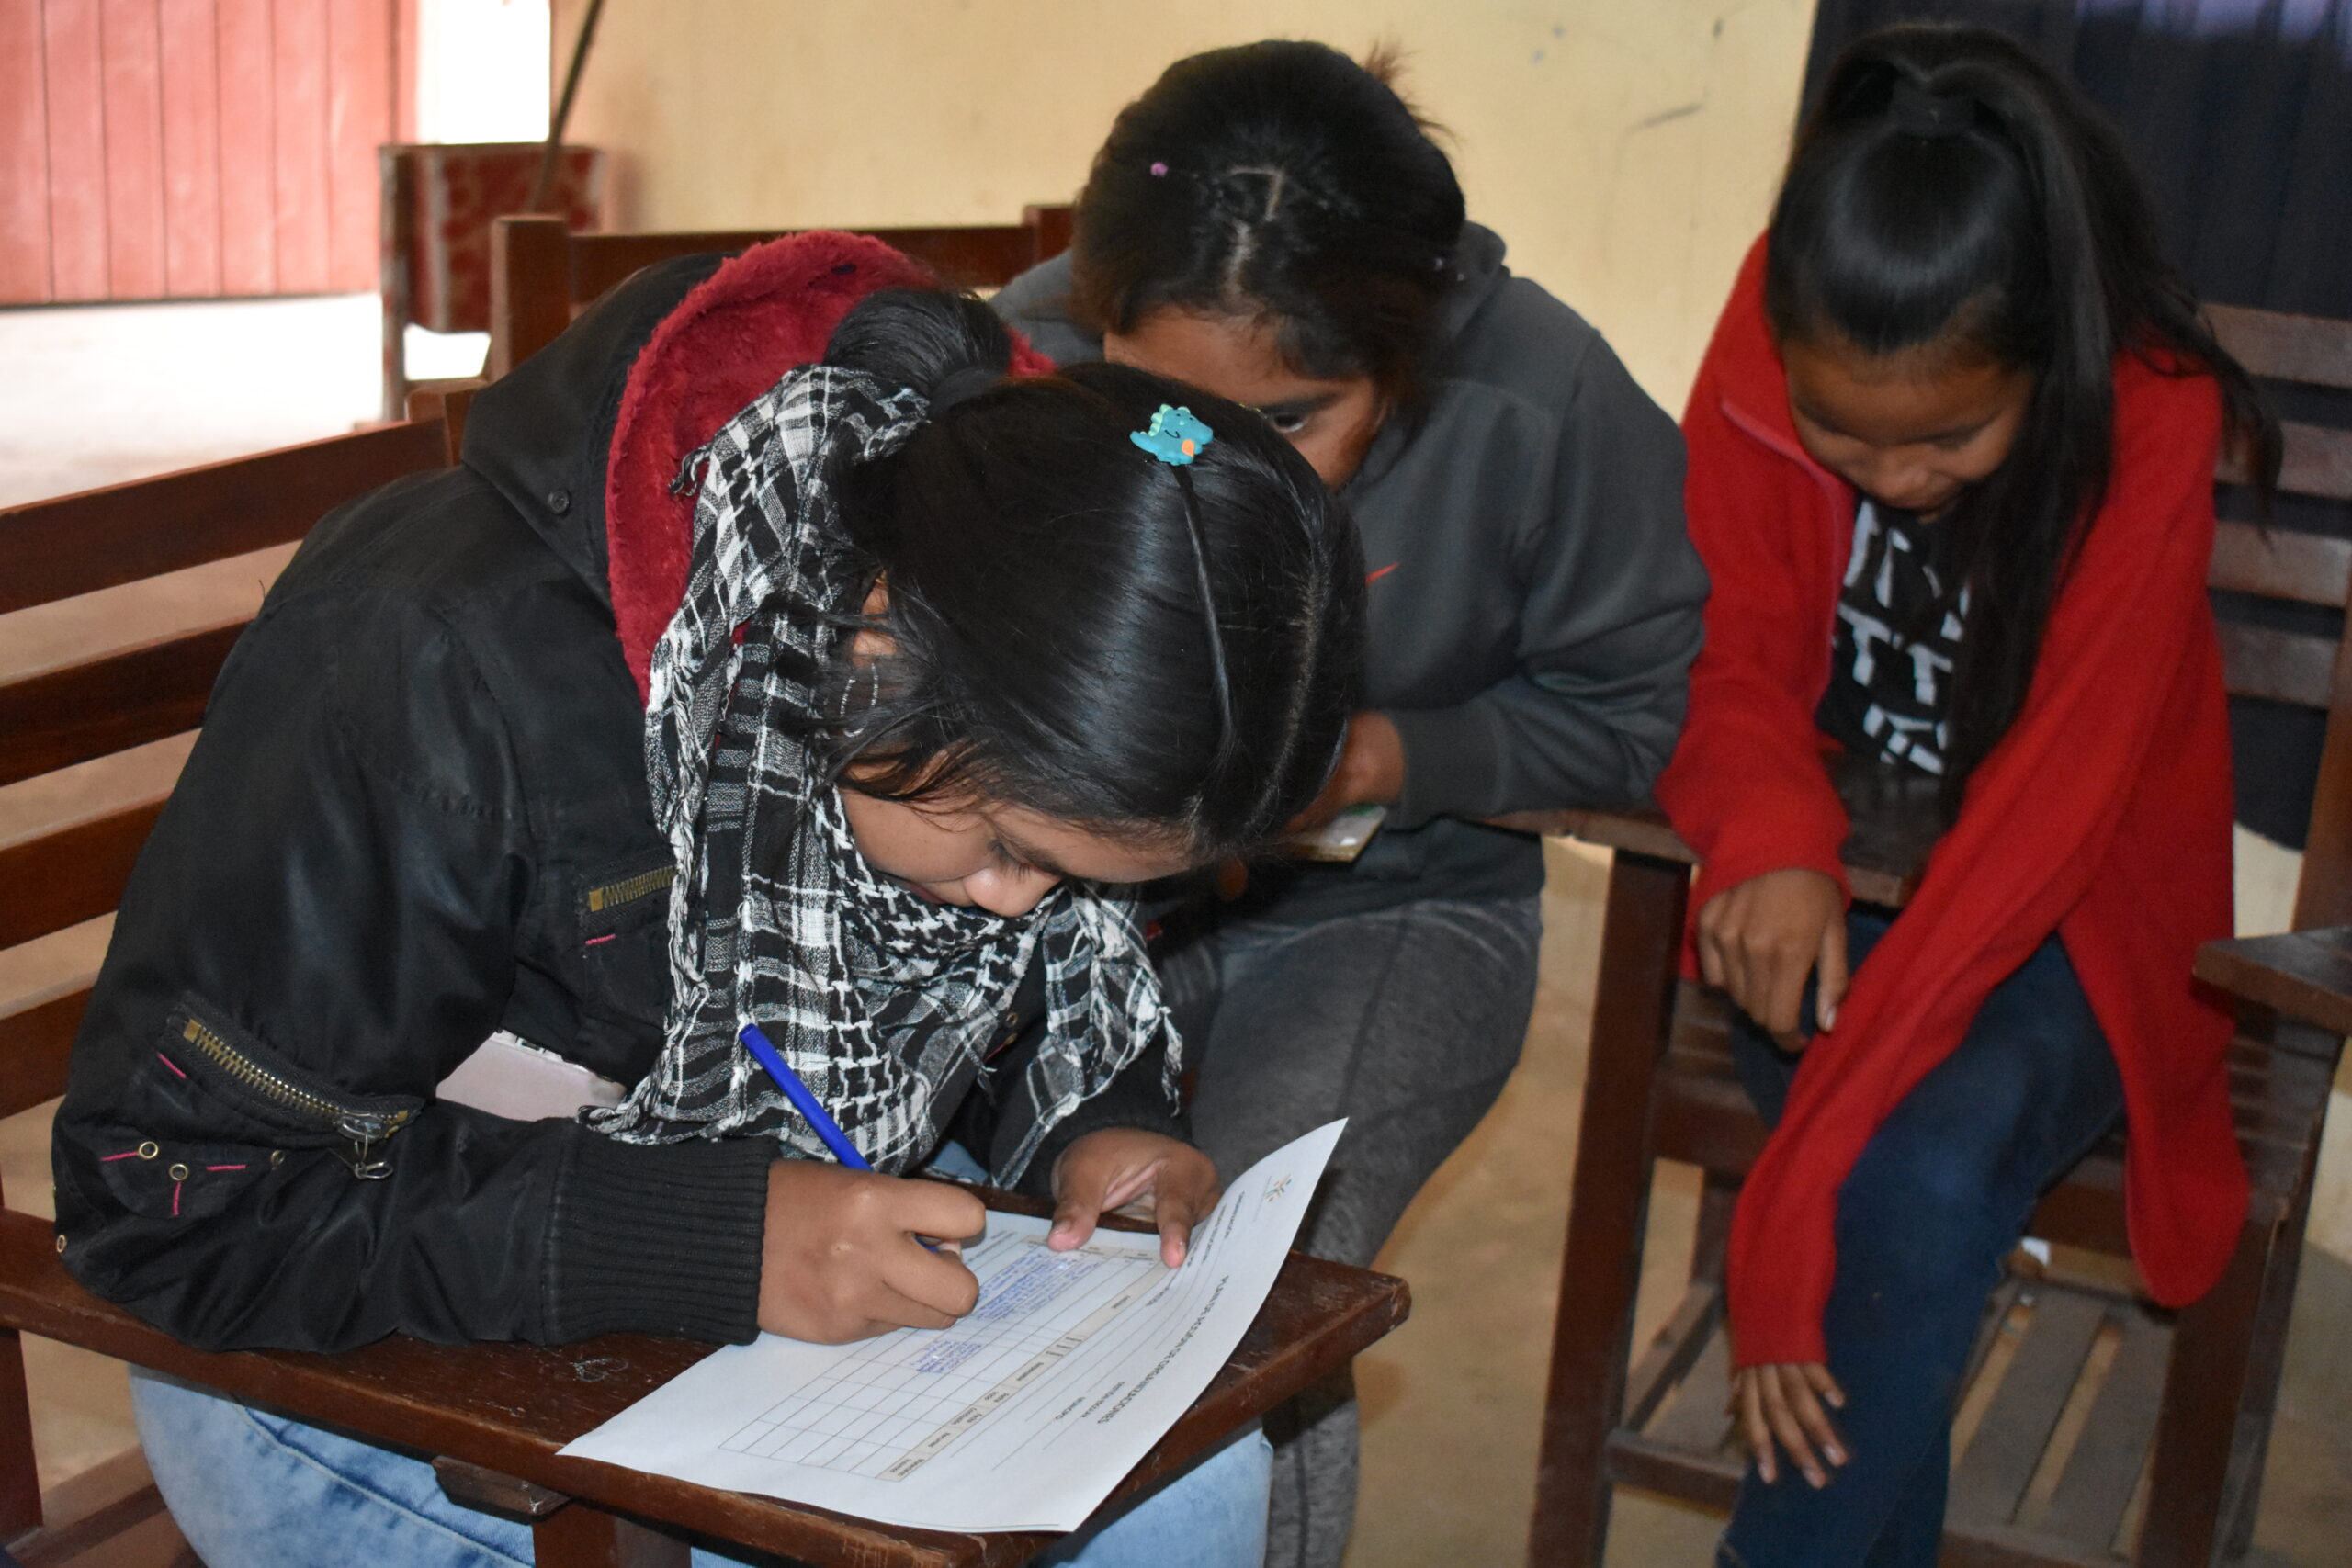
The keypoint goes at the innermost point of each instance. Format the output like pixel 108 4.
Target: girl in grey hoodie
pixel 1273 223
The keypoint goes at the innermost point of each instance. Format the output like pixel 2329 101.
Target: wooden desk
pixel 505 1409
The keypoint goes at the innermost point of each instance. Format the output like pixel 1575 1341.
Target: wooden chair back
pixel 2313 572
pixel 542 274
pixel 1660 1086
pixel 57 876
pixel 55 718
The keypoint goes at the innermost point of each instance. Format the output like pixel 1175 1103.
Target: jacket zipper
pixel 629 888
pixel 366 1129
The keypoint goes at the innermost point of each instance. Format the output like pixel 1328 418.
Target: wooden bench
pixel 494 1414
pixel 541 274
pixel 2160 1460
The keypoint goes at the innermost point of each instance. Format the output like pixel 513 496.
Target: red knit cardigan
pixel 2103 815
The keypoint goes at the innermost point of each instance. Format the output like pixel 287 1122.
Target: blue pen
pixel 802 1100
pixel 814 1113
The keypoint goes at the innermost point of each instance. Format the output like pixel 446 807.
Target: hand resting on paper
pixel 1118 1166
pixel 840 1261
pixel 1758 941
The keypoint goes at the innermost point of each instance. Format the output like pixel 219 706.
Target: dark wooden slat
pixel 2305 975
pixel 1671 1355
pixel 583 1537
pixel 2285 667
pixel 1999 1546
pixel 1893 826
pixel 72 875
pixel 58 1547
pixel 35 1042
pixel 531 289
pixel 2283 563
pixel 99 538
pixel 109 705
pixel 2104 1468
pixel 2316 461
pixel 2314 349
pixel 982 255
pixel 510 1407
pixel 1696 1421
pixel 1710 1480
pixel 2000 1461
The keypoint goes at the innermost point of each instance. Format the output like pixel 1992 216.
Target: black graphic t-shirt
pixel 1890 673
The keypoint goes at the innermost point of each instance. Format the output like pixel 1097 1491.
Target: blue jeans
pixel 254 1489
pixel 1926 1220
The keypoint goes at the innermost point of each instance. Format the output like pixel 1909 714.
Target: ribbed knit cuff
pixel 1453 757
pixel 658 1238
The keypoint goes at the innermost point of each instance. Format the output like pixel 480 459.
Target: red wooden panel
pixel 133 83
pixel 301 68
pixel 190 33
pixel 77 149
pixel 359 117
pixel 406 23
pixel 248 148
pixel 24 158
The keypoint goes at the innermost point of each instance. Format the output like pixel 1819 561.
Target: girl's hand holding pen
pixel 1118 1166
pixel 841 1259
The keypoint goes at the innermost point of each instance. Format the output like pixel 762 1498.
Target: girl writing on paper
pixel 1951 465
pixel 716 687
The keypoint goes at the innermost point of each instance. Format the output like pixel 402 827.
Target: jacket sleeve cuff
pixel 1451 757
pixel 658 1238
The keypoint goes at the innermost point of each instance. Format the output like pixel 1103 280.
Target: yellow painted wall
pixel 1627 149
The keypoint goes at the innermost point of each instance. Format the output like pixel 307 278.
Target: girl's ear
pixel 877 598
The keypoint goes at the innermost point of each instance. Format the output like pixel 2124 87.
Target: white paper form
pixel 1023 1414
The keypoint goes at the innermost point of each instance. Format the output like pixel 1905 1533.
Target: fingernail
pixel 1818 1480
pixel 1837 1455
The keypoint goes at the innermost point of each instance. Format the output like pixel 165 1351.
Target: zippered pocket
pixel 300 1108
pixel 623 910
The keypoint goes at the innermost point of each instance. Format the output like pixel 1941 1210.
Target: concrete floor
pixel 1452 1400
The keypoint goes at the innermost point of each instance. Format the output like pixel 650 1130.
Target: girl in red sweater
pixel 1951 466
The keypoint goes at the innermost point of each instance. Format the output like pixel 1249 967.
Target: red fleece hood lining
pixel 733 337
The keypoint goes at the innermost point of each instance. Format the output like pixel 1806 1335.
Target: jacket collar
pixel 1750 384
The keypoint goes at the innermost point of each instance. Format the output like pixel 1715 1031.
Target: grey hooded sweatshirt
pixel 1533 599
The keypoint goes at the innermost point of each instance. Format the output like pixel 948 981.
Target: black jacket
pixel 1533 599
pixel 418 814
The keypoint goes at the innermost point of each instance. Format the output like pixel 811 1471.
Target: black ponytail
pixel 1076 626
pixel 921 339
pixel 1948 189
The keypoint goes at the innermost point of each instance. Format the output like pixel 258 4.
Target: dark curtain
pixel 2239 115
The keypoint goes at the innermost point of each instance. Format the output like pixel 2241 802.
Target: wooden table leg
pixel 579 1536
pixel 1601 1269
pixel 2202 1386
pixel 19 1476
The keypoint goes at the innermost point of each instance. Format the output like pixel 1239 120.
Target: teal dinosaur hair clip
pixel 1173 436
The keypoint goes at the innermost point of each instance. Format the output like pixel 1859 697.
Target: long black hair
pixel 1948 190
pixel 1076 626
pixel 1281 182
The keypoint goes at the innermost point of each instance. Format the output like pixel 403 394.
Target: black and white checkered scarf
pixel 883 1002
